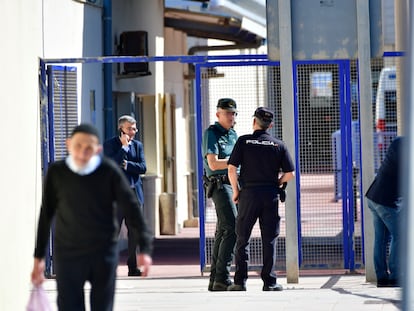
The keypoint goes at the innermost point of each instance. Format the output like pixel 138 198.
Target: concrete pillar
pixel 152 191
pixel 168 217
pixel 286 70
pixel 401 11
pixel 366 119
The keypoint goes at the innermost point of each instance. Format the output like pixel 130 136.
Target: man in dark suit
pixel 128 153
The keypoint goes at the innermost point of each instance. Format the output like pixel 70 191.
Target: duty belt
pixel 223 178
pixel 214 182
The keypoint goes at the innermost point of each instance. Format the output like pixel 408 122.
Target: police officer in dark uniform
pixel 265 165
pixel 218 142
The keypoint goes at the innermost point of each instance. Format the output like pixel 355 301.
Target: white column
pixel 366 119
pixel 407 248
pixel 286 72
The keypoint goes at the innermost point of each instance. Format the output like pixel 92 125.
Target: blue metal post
pixel 50 115
pixel 345 97
pixel 43 113
pixel 51 155
pixel 199 136
pixel 107 69
pixel 297 162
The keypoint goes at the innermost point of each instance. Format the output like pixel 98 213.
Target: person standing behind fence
pixel 218 142
pixel 265 166
pixel 128 153
pixel 82 193
pixel 384 200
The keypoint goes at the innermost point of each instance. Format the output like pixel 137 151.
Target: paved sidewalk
pixel 313 293
pixel 176 283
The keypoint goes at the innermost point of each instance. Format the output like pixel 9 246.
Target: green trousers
pixel 225 236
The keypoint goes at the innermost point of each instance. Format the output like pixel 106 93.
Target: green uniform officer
pixel 218 142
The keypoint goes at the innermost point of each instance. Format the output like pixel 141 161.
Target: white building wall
pixel 71 30
pixel 63 25
pixel 166 78
pixel 32 29
pixel 21 24
pixel 130 15
pixel 176 44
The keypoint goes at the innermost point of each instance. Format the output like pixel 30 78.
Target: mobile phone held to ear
pixel 120 133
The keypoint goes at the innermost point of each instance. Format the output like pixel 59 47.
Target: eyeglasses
pixel 229 113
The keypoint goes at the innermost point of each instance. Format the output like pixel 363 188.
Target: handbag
pixel 38 300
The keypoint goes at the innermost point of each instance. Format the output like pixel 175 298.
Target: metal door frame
pixel 48 139
pixel 346 150
pixel 200 61
pixel 347 173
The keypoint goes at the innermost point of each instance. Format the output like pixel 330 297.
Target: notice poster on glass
pixel 321 89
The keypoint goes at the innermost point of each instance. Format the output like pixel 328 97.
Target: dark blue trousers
pixel 257 203
pixel 99 269
pixel 132 247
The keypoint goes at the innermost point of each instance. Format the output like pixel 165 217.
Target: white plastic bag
pixel 38 300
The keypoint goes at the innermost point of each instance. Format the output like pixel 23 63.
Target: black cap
pixel 227 104
pixel 85 128
pixel 264 114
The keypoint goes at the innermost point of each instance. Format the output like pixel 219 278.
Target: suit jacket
pixel 135 159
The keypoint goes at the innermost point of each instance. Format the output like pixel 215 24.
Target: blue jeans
pixel 386 227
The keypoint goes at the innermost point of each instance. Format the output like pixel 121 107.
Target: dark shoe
pixel 272 288
pixel 382 282
pixel 135 272
pixel 220 287
pixel 236 288
pixel 387 283
pixel 393 283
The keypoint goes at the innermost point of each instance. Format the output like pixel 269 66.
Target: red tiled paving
pixel 173 256
pixel 320 214
pixel 178 255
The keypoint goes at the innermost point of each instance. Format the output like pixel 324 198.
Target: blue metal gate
pixel 330 227
pixel 59 116
pixel 327 228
